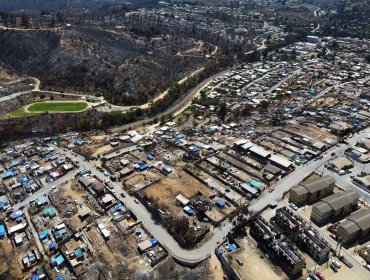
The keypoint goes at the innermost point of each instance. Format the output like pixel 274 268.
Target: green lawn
pixel 57 107
pixel 19 113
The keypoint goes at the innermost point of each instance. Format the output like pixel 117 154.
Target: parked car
pixel 293 206
pixel 342 172
pixel 336 263
pixel 239 261
pixel 105 173
pixel 319 274
pixel 332 235
pixel 136 201
pixel 333 154
pixel 333 267
pixel 312 276
pixel 367 266
pixel 349 171
pixel 123 195
pixel 271 190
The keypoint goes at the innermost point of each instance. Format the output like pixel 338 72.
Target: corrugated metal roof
pixel 340 200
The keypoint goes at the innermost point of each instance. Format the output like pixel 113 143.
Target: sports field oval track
pixel 57 107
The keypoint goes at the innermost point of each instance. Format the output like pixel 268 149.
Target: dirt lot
pixel 73 191
pixel 95 150
pixel 137 181
pixel 322 102
pixel 312 131
pixel 165 191
pixel 253 262
pixel 10 260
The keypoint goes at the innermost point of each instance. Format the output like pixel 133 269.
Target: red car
pixel 271 190
pixel 319 274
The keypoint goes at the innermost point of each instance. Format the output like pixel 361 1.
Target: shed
pixel 182 200
pixel 259 151
pixel 84 213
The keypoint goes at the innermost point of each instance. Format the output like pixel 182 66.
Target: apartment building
pixel 335 206
pixel 279 248
pixel 302 234
pixel 306 193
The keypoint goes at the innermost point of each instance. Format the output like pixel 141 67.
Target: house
pixel 57 261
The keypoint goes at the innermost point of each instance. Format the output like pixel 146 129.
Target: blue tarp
pixel 7 175
pixel 59 260
pixel 2 231
pixel 180 135
pixel 4 202
pixel 16 215
pixel 118 207
pixel 189 211
pixel 232 247
pixel 166 169
pixel 220 203
pixel 143 167
pixel 194 148
pixel 149 156
pixel 35 277
pixel 52 246
pixel 22 179
pixel 154 241
pixel 43 235
pixel 255 185
pixel 59 277
pixel 41 200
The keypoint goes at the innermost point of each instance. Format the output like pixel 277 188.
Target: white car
pixel 336 263
pixel 367 266
pixel 342 172
pixel 107 180
pixel 293 206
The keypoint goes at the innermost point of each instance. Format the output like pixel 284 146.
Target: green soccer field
pixel 57 107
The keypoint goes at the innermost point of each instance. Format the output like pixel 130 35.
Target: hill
pixel 123 67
